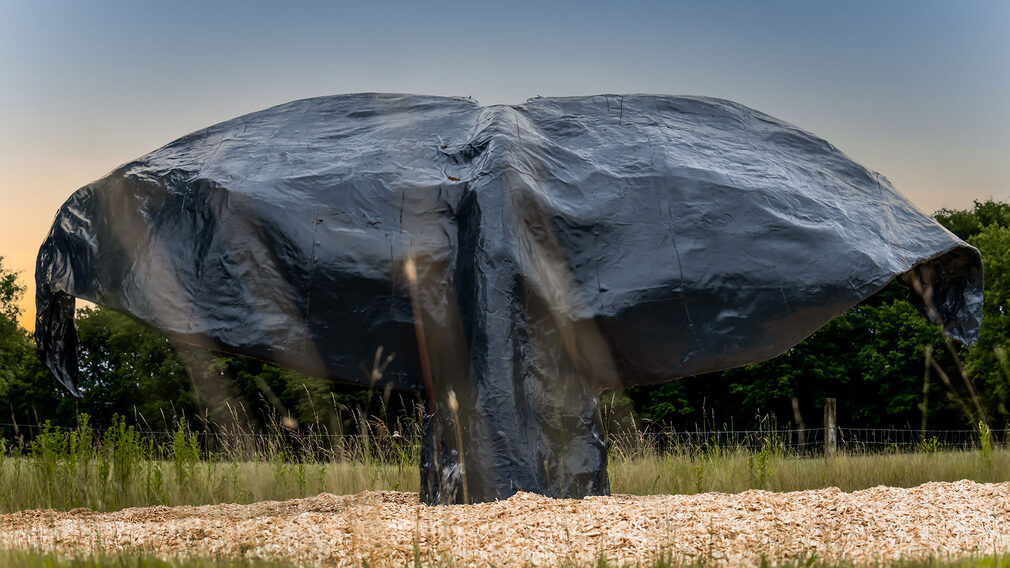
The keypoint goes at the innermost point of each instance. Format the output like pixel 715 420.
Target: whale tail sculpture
pixel 519 260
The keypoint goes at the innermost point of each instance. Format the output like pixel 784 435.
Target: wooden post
pixel 801 428
pixel 924 405
pixel 830 426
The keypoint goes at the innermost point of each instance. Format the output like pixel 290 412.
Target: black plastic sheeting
pixel 562 247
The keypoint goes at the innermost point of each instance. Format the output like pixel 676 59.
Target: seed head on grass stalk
pixel 454 408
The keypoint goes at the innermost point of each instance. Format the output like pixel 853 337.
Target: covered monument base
pixel 569 466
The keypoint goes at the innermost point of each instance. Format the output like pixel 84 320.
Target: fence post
pixel 801 428
pixel 830 426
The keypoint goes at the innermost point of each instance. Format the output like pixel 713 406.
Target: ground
pixel 881 524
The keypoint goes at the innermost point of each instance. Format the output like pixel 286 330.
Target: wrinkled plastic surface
pixel 563 246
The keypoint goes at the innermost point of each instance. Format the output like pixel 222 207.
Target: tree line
pixel 884 363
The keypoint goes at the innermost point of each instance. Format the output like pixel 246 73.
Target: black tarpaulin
pixel 562 247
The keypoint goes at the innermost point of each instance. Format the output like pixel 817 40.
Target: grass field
pixel 28 482
pixel 67 469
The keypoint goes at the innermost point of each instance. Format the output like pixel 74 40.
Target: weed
pixel 985 443
pixel 930 446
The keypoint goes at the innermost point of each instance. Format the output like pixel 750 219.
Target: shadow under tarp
pixel 560 247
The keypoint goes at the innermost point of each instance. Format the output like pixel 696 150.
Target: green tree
pixel 130 369
pixel 987 226
pixel 24 397
pixel 966 223
pixel 986 361
pixel 13 340
pixel 10 293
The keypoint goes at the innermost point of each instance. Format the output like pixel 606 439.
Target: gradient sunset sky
pixel 918 91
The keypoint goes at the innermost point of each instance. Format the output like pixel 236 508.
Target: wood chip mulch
pixel 882 524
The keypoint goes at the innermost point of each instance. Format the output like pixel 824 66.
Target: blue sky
pixel 919 91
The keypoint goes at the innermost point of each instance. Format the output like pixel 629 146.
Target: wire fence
pixel 811 440
pixel 381 441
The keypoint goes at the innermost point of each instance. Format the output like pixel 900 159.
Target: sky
pixel 916 90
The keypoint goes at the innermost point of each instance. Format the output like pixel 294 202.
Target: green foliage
pixel 665 403
pixel 982 361
pixel 930 446
pixel 185 453
pixel 22 392
pixel 10 293
pixel 12 340
pixel 985 443
pixel 129 368
pixel 970 222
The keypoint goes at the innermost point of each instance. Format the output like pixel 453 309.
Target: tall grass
pixel 639 467
pixel 65 469
pixel 733 471
pixel 121 467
